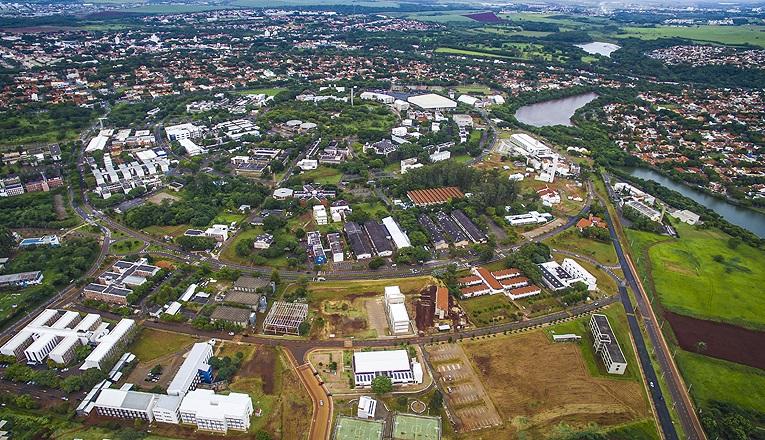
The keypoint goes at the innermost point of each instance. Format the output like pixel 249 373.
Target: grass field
pixel 161 231
pixel 323 175
pixel 152 344
pixel 689 280
pixel 714 379
pixel 477 89
pixel 272 91
pixel 126 246
pixel 452 51
pixel 348 428
pixel 539 386
pixel 729 35
pixel 573 241
pixel 489 309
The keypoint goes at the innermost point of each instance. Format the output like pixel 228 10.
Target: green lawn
pixel 642 430
pixel 689 281
pixel 126 246
pixel 272 91
pixel 161 231
pixel 476 89
pixel 729 35
pixel 489 309
pixel 152 344
pixel 323 175
pixel 715 379
pixel 356 429
pixel 573 241
pixel 226 218
pixel 618 320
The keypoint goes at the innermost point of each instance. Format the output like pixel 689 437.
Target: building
pixel 320 215
pixel 366 408
pixel 394 364
pixel 45 240
pixel 216 412
pixel 435 233
pixel 194 370
pixel 395 308
pixel 21 279
pixel 285 318
pixel 468 227
pixel 507 281
pixel 559 277
pixel 109 345
pixel 184 131
pixel 126 404
pixel 382 148
pixel 591 221
pixel 432 102
pixel 434 196
pixel 116 284
pixel 606 344
pixel 263 241
pixel 548 196
pixel 217 232
pixel 644 210
pixel 358 241
pixel 530 218
pixel 452 230
pixel 233 315
pixel 442 302
pixel 335 247
pixel 400 239
pixel 379 237
pixel 246 283
pixel 244 298
pixel 339 209
pixel 315 247
pixel 166 409
pixel 686 216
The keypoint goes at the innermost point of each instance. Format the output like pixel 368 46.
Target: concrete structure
pixel 431 101
pixel 395 308
pixel 558 277
pixel 45 240
pixel 126 404
pixel 394 364
pixel 606 344
pixel 216 412
pixel 530 218
pixel 358 241
pixel 184 131
pixel 218 232
pixel 320 215
pixel 21 279
pixel 194 370
pixel 366 408
pixel 577 271
pixel 116 284
pixel 400 239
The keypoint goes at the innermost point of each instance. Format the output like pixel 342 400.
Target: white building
pixel 367 407
pixel 308 164
pixel 193 368
pixel 320 215
pixel 216 412
pixel 126 404
pixel 400 239
pixel 218 232
pixel 577 271
pixel 379 97
pixel 439 156
pixel 395 307
pixel 686 216
pixel 184 131
pixel 559 277
pixel 530 218
pixel 409 164
pixel 606 344
pixel 192 149
pixel 394 364
pixel 109 344
pixel 431 101
pixel 166 409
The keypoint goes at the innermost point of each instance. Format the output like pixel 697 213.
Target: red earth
pixel 723 341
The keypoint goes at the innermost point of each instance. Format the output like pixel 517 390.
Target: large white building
pixel 577 271
pixel 54 334
pixel 216 412
pixel 395 307
pixel 561 276
pixel 400 239
pixel 394 364
pixel 193 370
pixel 606 344
pixel 184 131
pixel 124 403
pixel 431 101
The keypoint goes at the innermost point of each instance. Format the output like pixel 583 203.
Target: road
pixel 675 385
pixel 323 407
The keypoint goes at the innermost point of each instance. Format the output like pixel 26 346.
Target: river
pixel 553 112
pixel 744 217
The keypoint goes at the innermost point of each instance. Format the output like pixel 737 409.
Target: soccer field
pixel 411 427
pixel 355 429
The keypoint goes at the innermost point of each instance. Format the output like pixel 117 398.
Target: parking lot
pixel 465 396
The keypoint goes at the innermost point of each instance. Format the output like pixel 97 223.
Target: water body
pixel 553 112
pixel 599 48
pixel 744 217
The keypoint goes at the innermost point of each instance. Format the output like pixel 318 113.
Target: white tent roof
pixel 375 361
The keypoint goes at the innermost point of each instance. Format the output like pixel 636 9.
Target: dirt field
pixel 261 365
pixel 719 340
pixel 376 316
pixel 465 396
pixel 537 384
pixel 159 197
pixel 59 207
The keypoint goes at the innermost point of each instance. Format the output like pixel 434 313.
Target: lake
pixel 744 217
pixel 553 112
pixel 599 48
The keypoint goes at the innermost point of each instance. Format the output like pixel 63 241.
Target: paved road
pixel 323 406
pixel 688 417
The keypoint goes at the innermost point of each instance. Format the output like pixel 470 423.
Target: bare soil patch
pixel 262 365
pixel 719 340
pixel 58 206
pixel 159 197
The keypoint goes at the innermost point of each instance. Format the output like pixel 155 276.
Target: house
pixel 382 148
pixel 591 221
pixel 548 196
pixel 606 345
pixel 339 209
pixel 218 232
pixel 263 241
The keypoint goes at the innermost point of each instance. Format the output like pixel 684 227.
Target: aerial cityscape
pixel 382 220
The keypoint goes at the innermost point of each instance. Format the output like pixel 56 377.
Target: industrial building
pixel 399 237
pixel 379 237
pixel 458 238
pixel 21 279
pixel 395 308
pixel 432 102
pixel 530 218
pixel 394 364
pixel 216 412
pixel 358 241
pixel 434 196
pixel 435 234
pixel 606 344
pixel 468 227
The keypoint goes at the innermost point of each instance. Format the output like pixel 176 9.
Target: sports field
pixel 356 429
pixel 411 427
pixel 701 275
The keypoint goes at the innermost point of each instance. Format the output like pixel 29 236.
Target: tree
pixel 437 401
pixel 6 241
pixel 262 435
pixel 376 263
pixel 304 328
pixel 381 385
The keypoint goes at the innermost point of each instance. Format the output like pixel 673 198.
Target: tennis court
pixel 411 427
pixel 356 429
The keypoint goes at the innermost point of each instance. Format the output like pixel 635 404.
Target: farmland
pixel 737 35
pixel 704 276
pixel 534 402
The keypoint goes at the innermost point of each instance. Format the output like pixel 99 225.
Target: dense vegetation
pixel 40 123
pixel 33 210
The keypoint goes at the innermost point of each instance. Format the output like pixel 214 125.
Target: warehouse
pixel 395 307
pixel 391 363
pixel 434 196
pixel 358 241
pixel 378 236
pixel 467 226
pixel 432 102
pixel 606 344
pixel 434 232
pixel 400 239
pixel 22 279
pixel 459 239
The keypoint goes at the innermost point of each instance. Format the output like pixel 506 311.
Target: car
pixel 321 403
pixel 231 333
pixel 651 383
